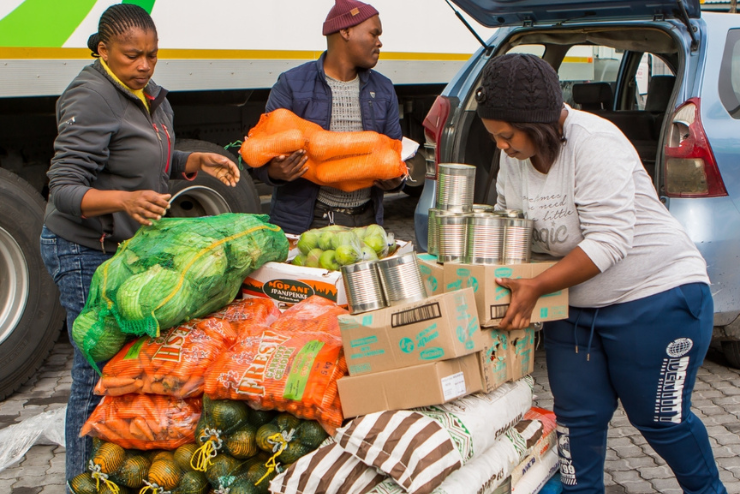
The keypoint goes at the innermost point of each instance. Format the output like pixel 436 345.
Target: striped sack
pixel 328 470
pixel 419 448
pixel 485 473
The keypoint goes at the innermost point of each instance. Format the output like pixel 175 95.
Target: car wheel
pixel 731 351
pixel 207 196
pixel 31 315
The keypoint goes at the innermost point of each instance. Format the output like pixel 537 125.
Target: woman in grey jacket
pixel 114 155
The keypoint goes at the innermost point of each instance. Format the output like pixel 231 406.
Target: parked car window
pixel 729 75
pixel 650 66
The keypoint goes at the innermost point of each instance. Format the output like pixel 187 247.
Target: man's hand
pixel 146 205
pixel 524 295
pixel 388 184
pixel 288 168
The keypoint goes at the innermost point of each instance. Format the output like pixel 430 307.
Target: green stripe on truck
pixel 43 23
pixel 147 5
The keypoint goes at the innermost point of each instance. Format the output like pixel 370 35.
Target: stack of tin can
pixel 374 285
pixel 463 232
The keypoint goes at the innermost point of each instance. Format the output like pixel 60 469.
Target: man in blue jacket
pixel 339 92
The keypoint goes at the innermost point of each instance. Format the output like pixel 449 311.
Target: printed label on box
pixel 453 386
pixel 416 315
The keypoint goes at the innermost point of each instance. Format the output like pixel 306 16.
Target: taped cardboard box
pixel 507 356
pixel 287 284
pixel 432 273
pixel 437 328
pixel 422 385
pixel 493 300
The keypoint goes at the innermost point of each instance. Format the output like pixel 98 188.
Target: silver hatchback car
pixel 666 73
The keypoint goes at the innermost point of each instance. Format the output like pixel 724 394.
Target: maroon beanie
pixel 347 13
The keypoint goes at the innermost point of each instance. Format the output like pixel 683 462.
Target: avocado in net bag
pixel 170 272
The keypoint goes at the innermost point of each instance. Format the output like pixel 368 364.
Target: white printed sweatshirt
pixel 597 196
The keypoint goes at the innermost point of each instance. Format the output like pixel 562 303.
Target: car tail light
pixel 434 125
pixel 689 164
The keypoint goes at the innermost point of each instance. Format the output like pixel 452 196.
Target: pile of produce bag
pixel 172 271
pixel 348 161
pixel 291 366
pixel 175 363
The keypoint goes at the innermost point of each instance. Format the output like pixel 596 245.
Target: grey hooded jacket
pixel 108 140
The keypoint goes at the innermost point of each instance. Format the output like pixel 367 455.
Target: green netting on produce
pixel 172 271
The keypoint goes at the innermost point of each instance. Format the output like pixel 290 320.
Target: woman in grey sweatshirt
pixel 114 155
pixel 641 313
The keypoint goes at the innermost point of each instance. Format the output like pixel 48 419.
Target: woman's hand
pixel 215 165
pixel 524 295
pixel 288 168
pixel 146 205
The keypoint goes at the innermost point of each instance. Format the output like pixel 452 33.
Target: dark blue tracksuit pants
pixel 645 353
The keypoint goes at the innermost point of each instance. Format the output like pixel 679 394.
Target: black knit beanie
pixel 519 88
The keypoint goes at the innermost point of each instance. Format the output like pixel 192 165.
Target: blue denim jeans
pixel 72 266
pixel 645 353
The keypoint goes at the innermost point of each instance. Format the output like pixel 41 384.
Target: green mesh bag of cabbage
pixel 172 271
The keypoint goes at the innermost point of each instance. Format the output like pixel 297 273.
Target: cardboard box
pixel 437 328
pixel 422 385
pixel 432 273
pixel 520 356
pixel 507 356
pixel 287 284
pixel 492 300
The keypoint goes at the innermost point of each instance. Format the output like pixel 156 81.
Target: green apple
pixel 375 230
pixel 347 254
pixel 313 258
pixel 344 238
pixel 299 260
pixel 309 240
pixel 376 243
pixel 359 231
pixel 368 254
pixel 325 240
pixel 328 260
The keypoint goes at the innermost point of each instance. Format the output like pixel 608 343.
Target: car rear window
pixel 729 75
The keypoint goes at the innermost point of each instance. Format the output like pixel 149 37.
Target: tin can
pixel 363 286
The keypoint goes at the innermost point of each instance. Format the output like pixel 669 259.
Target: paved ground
pixel 632 466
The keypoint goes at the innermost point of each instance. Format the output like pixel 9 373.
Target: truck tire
pixel 731 351
pixel 207 196
pixel 31 315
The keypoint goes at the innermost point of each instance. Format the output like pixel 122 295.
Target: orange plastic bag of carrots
pixel 138 421
pixel 174 364
pixel 345 160
pixel 292 367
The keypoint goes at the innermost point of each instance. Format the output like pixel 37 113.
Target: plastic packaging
pixel 293 366
pixel 175 363
pixel 17 439
pixel 138 421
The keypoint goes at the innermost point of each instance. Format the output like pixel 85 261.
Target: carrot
pixel 117 382
pixel 191 386
pixel 143 427
pixel 124 390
